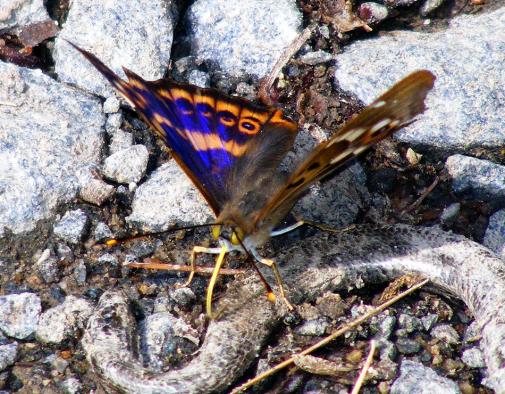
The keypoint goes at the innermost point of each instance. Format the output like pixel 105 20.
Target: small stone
pixel 127 165
pixel 316 327
pixel 57 363
pixel 316 57
pixel 183 296
pixel 408 346
pixel 446 333
pixel 8 354
pixel 472 333
pixel 387 349
pixel 93 189
pixel 429 6
pixel 72 226
pixel 331 305
pixel 102 232
pixel 494 238
pixel 428 321
pixel 372 13
pixel 47 267
pixel 19 314
pixel 354 356
pixel 385 327
pixel 111 105
pixel 413 157
pixel 120 140
pixel 113 122
pixel 72 386
pixel 409 323
pixel 324 31
pixel 450 213
pixel 416 378
pixel 399 3
pixel 473 357
pixel 64 252
pixel 63 321
pixel 481 179
pixel 80 272
pixel 199 78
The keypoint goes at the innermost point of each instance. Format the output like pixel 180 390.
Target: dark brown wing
pixel 387 114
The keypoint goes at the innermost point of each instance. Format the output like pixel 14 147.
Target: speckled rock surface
pixel 19 314
pixel 48 132
pixel 118 37
pixel 242 37
pixel 464 108
pixel 494 237
pixel 21 12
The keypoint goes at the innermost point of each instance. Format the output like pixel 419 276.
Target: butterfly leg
pixel 210 289
pixel 197 249
pixel 273 265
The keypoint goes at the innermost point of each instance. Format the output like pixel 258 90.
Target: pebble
pixel 316 327
pixel 372 13
pixel 416 378
pixel 127 165
pixel 93 189
pixel 199 78
pixel 473 357
pixel 450 213
pixel 494 238
pixel 429 6
pixel 407 346
pixel 316 57
pixel 445 333
pixel 71 226
pixel 111 105
pixel 120 140
pixel 102 232
pixel 19 314
pixel 8 354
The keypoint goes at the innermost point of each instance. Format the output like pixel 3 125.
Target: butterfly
pixel 231 148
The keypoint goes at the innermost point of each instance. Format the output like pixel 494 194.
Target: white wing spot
pixel 378 104
pixel 353 134
pixel 381 124
pixel 340 157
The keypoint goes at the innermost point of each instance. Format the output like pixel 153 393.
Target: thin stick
pixel 156 264
pixel 364 370
pixel 289 52
pixel 424 194
pixel 331 337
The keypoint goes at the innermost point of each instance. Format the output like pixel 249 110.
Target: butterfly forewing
pixel 208 133
pixel 387 114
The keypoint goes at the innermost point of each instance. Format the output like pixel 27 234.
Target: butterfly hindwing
pixel 393 110
pixel 206 131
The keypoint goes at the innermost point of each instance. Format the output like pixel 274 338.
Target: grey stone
pixel 416 378
pixel 72 386
pixel 464 108
pixel 48 132
pixel 472 333
pixel 183 296
pixel 128 165
pixel 373 13
pixel 80 272
pixel 8 354
pixel 164 333
pixel 445 333
pixel 199 78
pixel 409 322
pixel 63 321
pixel 57 363
pixel 111 105
pixel 167 198
pixel 113 122
pixel 108 259
pixel 120 140
pixel 47 267
pixel 408 346
pixel 71 226
pixel 399 3
pixel 494 238
pixel 102 232
pixel 92 188
pixel 242 37
pixel 14 13
pixel 387 349
pixel 385 327
pixel 450 213
pixel 473 357
pixel 315 327
pixel 481 179
pixel 316 57
pixel 429 320
pixel 19 314
pixel 429 6
pixel 137 35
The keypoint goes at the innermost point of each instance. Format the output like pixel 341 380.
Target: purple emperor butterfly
pixel 230 148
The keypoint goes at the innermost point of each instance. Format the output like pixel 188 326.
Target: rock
pixel 429 6
pixel 494 238
pixel 445 333
pixel 315 327
pixel 47 267
pixel 21 13
pixel 475 91
pixel 127 165
pixel 63 321
pixel 48 132
pixel 72 226
pixel 183 296
pixel 416 378
pixel 72 386
pixel 480 179
pixel 473 357
pixel 408 346
pixel 120 140
pixel 168 198
pixel 137 35
pixel 244 37
pixel 450 213
pixel 111 105
pixel 19 314
pixel 409 323
pixel 428 321
pixel 316 57
pixel 399 3
pixel 113 122
pixel 199 78
pixel 372 13
pixel 8 354
pixel 92 188
pixel 102 232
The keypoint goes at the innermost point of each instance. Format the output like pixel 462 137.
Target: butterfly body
pixel 231 148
